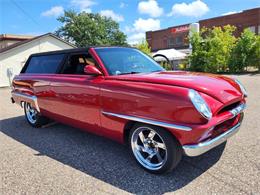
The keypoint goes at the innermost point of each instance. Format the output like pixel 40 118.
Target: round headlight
pixel 243 89
pixel 200 104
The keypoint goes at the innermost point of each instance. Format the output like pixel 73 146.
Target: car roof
pixel 75 50
pixel 64 51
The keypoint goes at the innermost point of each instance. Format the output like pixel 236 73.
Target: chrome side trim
pixel 20 97
pixel 238 109
pixel 200 148
pixel 148 121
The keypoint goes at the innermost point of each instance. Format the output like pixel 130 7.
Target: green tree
pixel 220 42
pixel 246 52
pixel 211 49
pixel 86 29
pixel 198 58
pixel 257 64
pixel 144 47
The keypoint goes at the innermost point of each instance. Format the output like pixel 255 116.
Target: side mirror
pixel 91 70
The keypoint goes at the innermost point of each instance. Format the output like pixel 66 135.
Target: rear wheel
pixel 154 148
pixel 33 117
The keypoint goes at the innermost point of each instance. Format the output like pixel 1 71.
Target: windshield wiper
pixel 129 73
pixel 156 71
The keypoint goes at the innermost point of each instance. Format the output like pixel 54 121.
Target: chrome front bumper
pixel 198 149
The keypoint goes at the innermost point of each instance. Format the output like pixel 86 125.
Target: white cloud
pixel 111 14
pixel 83 5
pixel 136 38
pixel 196 9
pixel 229 13
pixel 54 11
pixel 150 7
pixel 143 25
pixel 87 10
pixel 128 29
pixel 137 33
pixel 123 5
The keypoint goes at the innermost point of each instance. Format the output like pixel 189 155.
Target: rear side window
pixel 44 64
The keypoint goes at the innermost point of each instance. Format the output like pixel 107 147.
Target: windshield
pixel 127 61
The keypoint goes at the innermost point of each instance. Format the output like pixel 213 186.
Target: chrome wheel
pixel 31 113
pixel 149 148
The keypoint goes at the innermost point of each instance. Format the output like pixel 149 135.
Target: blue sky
pixel 36 17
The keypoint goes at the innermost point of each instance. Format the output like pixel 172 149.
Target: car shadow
pixel 105 159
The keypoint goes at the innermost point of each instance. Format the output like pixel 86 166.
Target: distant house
pixel 8 39
pixel 15 50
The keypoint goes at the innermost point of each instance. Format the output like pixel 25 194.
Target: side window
pixel 44 64
pixel 76 63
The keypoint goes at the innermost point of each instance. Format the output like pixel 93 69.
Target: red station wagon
pixel 122 94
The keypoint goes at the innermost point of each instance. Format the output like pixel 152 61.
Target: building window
pixel 252 28
pixel 170 42
pixel 259 30
pixel 179 40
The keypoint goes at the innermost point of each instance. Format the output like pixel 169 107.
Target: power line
pixel 25 12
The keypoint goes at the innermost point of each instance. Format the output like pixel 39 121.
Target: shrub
pixel 211 49
pixel 245 53
pixel 166 65
pixel 144 47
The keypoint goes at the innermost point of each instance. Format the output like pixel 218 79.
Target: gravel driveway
pixel 63 160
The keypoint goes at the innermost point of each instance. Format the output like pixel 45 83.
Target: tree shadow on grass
pixel 104 159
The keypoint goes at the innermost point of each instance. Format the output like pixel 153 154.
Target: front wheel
pixel 33 117
pixel 154 148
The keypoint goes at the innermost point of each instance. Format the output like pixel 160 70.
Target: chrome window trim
pixel 148 121
pixel 20 97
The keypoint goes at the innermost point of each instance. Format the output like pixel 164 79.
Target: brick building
pixel 176 37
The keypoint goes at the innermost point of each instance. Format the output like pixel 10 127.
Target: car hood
pixel 221 88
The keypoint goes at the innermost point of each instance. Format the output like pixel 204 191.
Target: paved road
pixel 63 160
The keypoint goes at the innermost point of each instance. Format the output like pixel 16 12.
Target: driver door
pixel 76 95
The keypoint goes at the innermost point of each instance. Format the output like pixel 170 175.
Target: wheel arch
pixel 130 124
